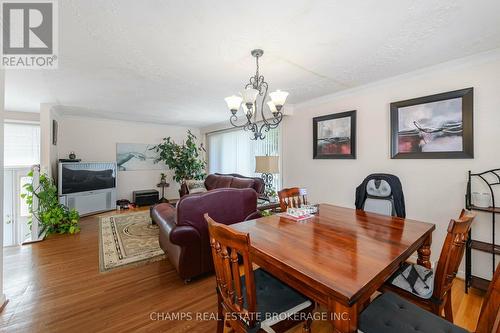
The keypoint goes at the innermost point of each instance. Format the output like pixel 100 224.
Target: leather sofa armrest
pixel 255 215
pixel 184 235
pixel 165 213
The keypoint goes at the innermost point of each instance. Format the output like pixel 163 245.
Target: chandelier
pixel 248 100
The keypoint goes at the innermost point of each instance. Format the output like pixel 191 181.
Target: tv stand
pixel 90 202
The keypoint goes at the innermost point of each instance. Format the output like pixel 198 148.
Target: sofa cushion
pixel 242 183
pixel 390 313
pixel 223 182
pixel 218 180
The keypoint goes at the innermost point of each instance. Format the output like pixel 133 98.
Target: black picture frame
pixel 317 120
pixel 467 151
pixel 55 130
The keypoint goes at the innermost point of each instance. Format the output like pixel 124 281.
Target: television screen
pixel 82 177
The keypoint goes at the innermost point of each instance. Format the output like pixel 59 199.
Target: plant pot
pixel 183 190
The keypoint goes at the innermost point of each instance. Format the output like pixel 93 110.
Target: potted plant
pixel 56 217
pixel 185 160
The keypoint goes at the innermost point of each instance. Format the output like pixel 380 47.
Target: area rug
pixel 128 239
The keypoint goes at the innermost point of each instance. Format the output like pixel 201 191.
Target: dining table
pixel 338 257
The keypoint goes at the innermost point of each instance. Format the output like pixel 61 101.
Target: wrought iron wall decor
pixel 248 101
pixel 437 126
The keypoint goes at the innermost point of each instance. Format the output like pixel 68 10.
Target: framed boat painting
pixel 334 136
pixel 437 126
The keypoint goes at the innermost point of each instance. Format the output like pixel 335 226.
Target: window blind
pixel 233 151
pixel 21 144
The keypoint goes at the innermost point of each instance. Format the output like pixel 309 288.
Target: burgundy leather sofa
pixel 184 231
pixel 234 180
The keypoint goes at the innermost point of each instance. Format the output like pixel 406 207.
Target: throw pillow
pixel 195 186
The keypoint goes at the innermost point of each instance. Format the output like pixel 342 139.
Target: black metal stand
pixel 492 248
pixel 163 185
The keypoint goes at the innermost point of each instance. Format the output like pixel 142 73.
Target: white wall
pixel 48 151
pixel 94 139
pixel 2 95
pixel 434 189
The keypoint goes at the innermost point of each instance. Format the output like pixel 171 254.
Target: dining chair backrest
pixel 226 245
pixel 292 197
pixel 489 317
pixel 451 254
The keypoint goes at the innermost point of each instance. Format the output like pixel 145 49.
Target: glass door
pixel 16 211
pixel 22 209
pixel 9 232
pixel 21 151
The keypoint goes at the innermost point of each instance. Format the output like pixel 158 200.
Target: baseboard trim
pixel 42 236
pixel 3 301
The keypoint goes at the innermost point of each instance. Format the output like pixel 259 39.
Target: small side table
pixel 162 185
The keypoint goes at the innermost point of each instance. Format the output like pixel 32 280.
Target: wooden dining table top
pixel 340 251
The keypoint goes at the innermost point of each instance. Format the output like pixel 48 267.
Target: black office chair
pixel 382 194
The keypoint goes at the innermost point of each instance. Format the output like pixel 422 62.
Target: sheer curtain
pixel 232 151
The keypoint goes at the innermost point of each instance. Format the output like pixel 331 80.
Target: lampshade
pixel 267 164
pixel 249 95
pixel 272 107
pixel 233 102
pixel 278 97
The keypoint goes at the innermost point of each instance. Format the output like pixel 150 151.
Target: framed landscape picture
pixel 334 136
pixel 437 126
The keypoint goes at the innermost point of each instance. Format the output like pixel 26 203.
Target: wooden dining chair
pixel 426 288
pixel 254 301
pixel 390 313
pixel 292 197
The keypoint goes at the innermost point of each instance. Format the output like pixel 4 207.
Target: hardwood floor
pixel 56 286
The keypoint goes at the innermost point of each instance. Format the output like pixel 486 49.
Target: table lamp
pixel 267 166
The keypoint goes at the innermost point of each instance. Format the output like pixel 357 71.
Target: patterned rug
pixel 128 239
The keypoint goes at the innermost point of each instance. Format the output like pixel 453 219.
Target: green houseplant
pixel 185 160
pixel 55 216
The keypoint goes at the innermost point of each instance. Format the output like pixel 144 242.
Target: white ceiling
pixel 174 61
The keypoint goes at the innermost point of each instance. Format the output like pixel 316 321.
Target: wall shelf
pixel 472 244
pixel 485 247
pixel 495 210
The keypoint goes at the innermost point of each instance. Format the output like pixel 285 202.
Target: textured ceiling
pixel 174 61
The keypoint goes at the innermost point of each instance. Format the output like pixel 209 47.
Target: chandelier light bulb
pixel 272 107
pixel 233 103
pixel 249 96
pixel 279 98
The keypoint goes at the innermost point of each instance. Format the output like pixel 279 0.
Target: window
pixel 233 151
pixel 21 144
